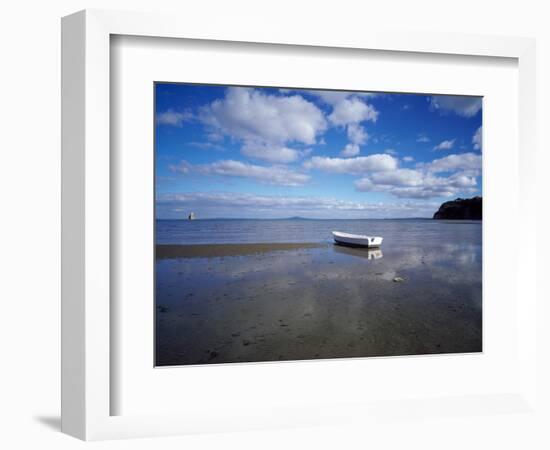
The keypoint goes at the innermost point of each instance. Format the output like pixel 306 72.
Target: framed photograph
pixel 298 224
pixel 269 229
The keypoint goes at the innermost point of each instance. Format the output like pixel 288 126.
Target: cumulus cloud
pixel 270 152
pixel 349 110
pixel 350 150
pixel 445 145
pixel 276 175
pixel 352 111
pixel 460 105
pixel 425 181
pixel 335 97
pixel 330 97
pixel 399 177
pixel 264 124
pixel 408 159
pixel 357 134
pixel 231 204
pixel 357 166
pixel 450 163
pixel 409 183
pixel 476 138
pixel 173 118
pixel 422 138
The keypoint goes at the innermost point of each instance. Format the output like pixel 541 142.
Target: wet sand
pixel 164 251
pixel 267 302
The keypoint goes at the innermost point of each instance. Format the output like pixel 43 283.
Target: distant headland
pixel 460 209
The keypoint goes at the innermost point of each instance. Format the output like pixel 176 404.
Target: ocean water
pixel 322 302
pixel 399 232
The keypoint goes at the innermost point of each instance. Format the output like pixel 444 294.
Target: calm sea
pixel 402 232
pixel 322 302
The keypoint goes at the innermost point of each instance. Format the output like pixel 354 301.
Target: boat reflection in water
pixel 361 252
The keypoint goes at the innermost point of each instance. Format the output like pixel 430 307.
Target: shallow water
pixel 321 302
pixel 400 232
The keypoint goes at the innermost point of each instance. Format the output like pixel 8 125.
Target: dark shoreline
pixel 169 251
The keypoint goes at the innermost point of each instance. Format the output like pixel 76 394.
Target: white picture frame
pixel 86 220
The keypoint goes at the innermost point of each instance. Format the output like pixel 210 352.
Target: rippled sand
pixel 268 302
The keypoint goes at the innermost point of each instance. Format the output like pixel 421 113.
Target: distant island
pixel 460 209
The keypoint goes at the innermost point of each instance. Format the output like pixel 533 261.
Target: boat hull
pixel 351 240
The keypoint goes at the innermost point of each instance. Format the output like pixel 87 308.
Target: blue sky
pixel 271 153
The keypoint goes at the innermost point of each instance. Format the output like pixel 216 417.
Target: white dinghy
pixel 357 240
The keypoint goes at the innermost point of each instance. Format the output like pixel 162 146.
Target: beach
pixel 168 251
pixel 252 302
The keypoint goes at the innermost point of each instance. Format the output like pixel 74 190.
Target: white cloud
pixel 423 182
pixel 445 145
pixel 276 175
pixel 265 124
pixel 331 97
pixel 477 138
pixel 422 138
pixel 348 111
pixel 359 165
pixel 357 134
pixel 408 159
pixel 352 111
pixel 183 167
pixel 463 161
pixel 350 150
pixel 269 152
pixel 408 183
pixel 231 204
pixel 173 118
pixel 399 177
pixel 390 151
pixel 335 97
pixel 460 105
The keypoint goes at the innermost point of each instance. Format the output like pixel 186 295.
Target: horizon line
pixel 297 218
